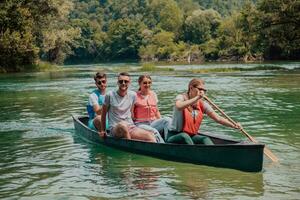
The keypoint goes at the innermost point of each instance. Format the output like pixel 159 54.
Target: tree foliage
pixel 124 38
pixel 68 31
pixel 237 36
pixel 23 28
pixel 167 15
pixel 161 46
pixel 225 8
pixel 87 16
pixel 17 46
pixel 201 26
pixel 278 24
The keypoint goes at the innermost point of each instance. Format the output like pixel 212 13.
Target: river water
pixel 42 158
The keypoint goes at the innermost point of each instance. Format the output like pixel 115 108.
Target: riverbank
pixel 38 67
pixel 212 68
pixel 165 69
pixel 209 67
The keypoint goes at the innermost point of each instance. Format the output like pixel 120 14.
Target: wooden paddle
pixel 267 151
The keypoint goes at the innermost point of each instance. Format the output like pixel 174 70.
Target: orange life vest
pixel 191 121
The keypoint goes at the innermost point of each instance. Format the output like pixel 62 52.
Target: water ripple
pixel 41 158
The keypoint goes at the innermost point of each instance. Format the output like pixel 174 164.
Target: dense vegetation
pixel 69 31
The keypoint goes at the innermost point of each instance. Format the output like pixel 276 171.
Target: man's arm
pixel 97 109
pixel 102 132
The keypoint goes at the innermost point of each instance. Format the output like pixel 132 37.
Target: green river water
pixel 41 157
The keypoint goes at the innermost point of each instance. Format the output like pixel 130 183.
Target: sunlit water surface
pixel 42 158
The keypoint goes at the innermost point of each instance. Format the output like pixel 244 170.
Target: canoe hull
pixel 225 153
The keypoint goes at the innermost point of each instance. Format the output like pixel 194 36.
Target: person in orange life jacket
pixel 96 100
pixel 145 110
pixel 188 112
pixel 117 108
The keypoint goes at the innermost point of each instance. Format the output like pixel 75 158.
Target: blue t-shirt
pixel 95 98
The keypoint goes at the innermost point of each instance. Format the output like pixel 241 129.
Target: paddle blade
pixel 269 153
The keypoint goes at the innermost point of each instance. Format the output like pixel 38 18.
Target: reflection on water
pixel 140 176
pixel 41 158
pixel 197 183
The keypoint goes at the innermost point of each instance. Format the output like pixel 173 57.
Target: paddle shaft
pixel 267 151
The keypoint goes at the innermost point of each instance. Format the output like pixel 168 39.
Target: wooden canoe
pixel 225 152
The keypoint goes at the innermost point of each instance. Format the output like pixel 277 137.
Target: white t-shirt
pixel 177 121
pixel 119 108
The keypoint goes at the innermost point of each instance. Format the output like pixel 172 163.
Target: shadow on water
pixel 135 175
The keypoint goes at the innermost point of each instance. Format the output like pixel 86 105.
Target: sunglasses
pixel 101 82
pixel 201 89
pixel 145 83
pixel 123 81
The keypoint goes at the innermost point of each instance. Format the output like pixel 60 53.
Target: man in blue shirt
pixel 96 100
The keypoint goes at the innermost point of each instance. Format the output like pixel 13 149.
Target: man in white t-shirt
pixel 117 107
pixel 96 100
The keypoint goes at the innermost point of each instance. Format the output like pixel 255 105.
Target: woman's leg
pixel 158 137
pixel 162 125
pixel 180 138
pixel 201 139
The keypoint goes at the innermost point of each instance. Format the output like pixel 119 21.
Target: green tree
pixel 125 38
pixel 164 41
pixel 57 38
pixel 88 16
pixel 188 6
pixel 24 27
pixel 120 9
pixel 161 47
pixel 17 45
pixel 17 50
pixel 201 26
pixel 230 39
pixel 238 36
pixel 166 15
pixel 248 24
pixel 279 28
pixel 57 44
pixel 225 8
pixel 210 49
pixel 187 53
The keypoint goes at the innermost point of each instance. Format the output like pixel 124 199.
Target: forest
pixel 192 31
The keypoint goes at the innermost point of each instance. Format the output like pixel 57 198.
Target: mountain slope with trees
pixel 88 31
